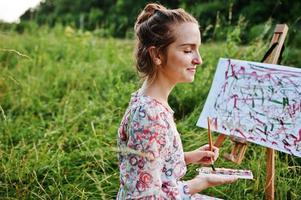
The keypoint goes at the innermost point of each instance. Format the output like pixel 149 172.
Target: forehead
pixel 187 33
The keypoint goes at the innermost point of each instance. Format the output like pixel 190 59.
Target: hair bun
pixel 148 11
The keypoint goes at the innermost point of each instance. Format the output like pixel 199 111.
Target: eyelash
pixel 187 51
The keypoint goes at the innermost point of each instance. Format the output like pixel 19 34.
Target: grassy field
pixel 62 96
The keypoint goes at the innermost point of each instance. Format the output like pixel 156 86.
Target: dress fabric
pixel 151 157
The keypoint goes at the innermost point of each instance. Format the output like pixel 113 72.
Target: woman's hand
pixel 202 155
pixel 205 181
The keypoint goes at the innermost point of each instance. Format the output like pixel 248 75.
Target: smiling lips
pixel 192 69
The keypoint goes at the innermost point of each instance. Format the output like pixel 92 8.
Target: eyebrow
pixel 188 44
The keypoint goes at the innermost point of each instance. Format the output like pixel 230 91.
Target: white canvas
pixel 258 102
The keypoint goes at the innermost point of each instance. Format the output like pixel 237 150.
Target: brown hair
pixel 153 27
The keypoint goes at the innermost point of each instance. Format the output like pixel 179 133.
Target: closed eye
pixel 187 51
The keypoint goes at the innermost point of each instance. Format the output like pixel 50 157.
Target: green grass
pixel 62 96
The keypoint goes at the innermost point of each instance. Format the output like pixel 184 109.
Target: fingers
pixel 215 148
pixel 209 154
pixel 206 148
pixel 213 154
pixel 216 152
pixel 207 157
pixel 204 156
pixel 214 180
pixel 228 179
pixel 204 181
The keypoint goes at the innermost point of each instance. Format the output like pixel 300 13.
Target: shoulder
pixel 147 107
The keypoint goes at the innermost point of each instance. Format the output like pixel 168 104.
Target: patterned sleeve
pixel 144 164
pixel 184 190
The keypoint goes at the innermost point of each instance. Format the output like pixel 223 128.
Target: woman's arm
pixel 203 156
pixel 142 164
pixel 202 182
pixel 146 173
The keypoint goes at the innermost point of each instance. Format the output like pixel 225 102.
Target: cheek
pixel 179 59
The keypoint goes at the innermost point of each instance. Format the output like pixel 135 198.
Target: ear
pixel 155 55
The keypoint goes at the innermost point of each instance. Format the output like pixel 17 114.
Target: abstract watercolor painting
pixel 258 102
pixel 239 173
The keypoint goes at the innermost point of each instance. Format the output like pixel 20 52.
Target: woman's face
pixel 182 55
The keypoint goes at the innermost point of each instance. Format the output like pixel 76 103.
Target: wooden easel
pixel 239 149
pixel 278 37
pixel 237 152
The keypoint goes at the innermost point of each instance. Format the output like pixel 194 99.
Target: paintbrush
pixel 210 141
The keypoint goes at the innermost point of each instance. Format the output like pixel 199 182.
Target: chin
pixel 188 80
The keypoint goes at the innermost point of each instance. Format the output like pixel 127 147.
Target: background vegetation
pixel 64 88
pixel 116 17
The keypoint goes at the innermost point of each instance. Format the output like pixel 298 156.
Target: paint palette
pixel 205 197
pixel 239 173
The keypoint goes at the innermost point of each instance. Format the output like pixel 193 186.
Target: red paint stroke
pixel 214 121
pixel 274 143
pixel 240 132
pixel 235 96
pixel 298 140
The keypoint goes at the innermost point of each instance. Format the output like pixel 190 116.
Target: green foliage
pixel 63 93
pixel 61 104
pixel 215 16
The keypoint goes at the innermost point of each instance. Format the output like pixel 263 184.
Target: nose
pixel 197 60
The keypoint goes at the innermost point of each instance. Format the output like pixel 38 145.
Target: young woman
pixel 151 156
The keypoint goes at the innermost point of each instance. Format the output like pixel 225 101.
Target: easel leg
pixel 279 36
pixel 270 177
pixel 220 140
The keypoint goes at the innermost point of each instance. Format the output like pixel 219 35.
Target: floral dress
pixel 151 157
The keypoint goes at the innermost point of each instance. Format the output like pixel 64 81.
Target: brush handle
pixel 210 140
pixel 209 135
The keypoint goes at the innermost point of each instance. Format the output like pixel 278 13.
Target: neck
pixel 158 89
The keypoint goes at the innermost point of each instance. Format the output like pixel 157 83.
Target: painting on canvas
pixel 258 102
